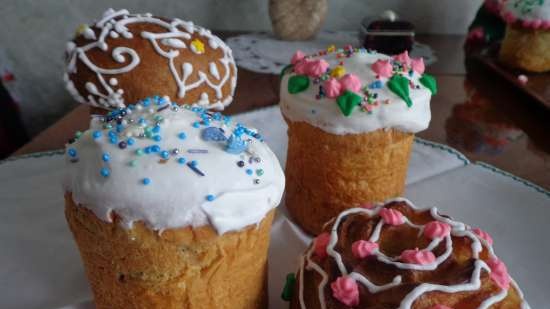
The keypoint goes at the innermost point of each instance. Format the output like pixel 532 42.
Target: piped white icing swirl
pixel 156 174
pixel 386 109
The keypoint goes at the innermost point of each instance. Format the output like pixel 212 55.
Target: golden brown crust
pixel 456 269
pixel 190 268
pixel 526 49
pixel 152 76
pixel 327 173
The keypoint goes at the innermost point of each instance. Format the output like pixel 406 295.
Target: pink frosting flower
pixel 320 243
pixel 332 88
pixel 417 65
pixel 301 66
pixel 362 248
pixel 483 235
pixel 392 216
pixel 297 57
pixel 382 68
pixel 476 34
pixel 420 257
pixel 403 58
pixel 499 273
pixel 316 68
pixel 536 23
pixel 350 82
pixel 545 24
pixel 440 307
pixel 436 229
pixel 345 290
pixel 509 17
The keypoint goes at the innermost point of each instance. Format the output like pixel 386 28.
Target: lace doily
pixel 263 53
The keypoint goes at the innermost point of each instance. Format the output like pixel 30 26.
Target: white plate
pixel 41 267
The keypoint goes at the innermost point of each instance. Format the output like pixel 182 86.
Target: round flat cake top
pixel 172 167
pixel 350 91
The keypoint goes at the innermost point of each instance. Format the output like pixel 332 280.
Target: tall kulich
pixel 527 40
pixel 171 207
pixel 351 117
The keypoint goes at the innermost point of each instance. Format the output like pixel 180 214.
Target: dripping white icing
pixel 114 23
pixel 458 229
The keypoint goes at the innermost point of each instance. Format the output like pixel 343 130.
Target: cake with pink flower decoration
pixel 527 42
pixel 352 115
pixel 394 255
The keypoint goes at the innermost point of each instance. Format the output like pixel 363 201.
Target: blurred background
pixel 34 34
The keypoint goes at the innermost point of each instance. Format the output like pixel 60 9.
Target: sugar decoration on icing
pixel 439 230
pixel 347 88
pixel 167 44
pixel 173 166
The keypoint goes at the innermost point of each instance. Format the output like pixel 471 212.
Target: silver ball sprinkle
pixel 256 181
pixel 175 151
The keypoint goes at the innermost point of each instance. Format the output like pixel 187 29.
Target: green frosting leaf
pixel 429 82
pixel 283 71
pixel 399 85
pixel 289 287
pixel 348 101
pixel 298 83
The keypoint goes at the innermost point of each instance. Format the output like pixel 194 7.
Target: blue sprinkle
pixel 105 157
pixel 196 124
pixel 142 120
pixel 119 128
pixel 112 133
pixel 113 140
pixel 194 163
pixel 194 168
pixel 181 160
pixel 147 150
pixel 155 148
pixel 146 181
pixel 249 171
pixel 210 197
pixel 157 138
pixel 217 116
pixel 156 129
pixel 71 152
pixel 182 136
pixel 213 134
pixel 376 84
pixel 105 172
pixel 96 134
pixel 236 145
pixel 146 102
pixel 131 141
pixel 165 154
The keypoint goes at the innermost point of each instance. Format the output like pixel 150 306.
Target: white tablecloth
pixel 40 266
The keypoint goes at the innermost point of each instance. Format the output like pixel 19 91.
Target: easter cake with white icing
pixel 352 115
pixel 166 201
pixel 526 44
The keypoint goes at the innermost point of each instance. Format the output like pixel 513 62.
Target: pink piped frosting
pixel 415 256
pixel 345 290
pixel 417 65
pixel 382 68
pixel 440 307
pixel 302 66
pixel 499 273
pixel 350 82
pixel 403 58
pixel 392 216
pixel 316 68
pixel 436 229
pixel 362 248
pixel 332 88
pixel 297 57
pixel 483 235
pixel 320 244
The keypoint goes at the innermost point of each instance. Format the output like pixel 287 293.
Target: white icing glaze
pixel 458 229
pixel 325 114
pixel 177 195
pixel 527 10
pixel 114 24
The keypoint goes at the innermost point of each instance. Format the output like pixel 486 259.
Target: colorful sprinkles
pixel 346 88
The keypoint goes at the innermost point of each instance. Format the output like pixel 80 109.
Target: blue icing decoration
pixel 236 145
pixel 213 134
pixel 376 85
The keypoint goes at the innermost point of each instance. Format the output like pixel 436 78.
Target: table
pixel 474 112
